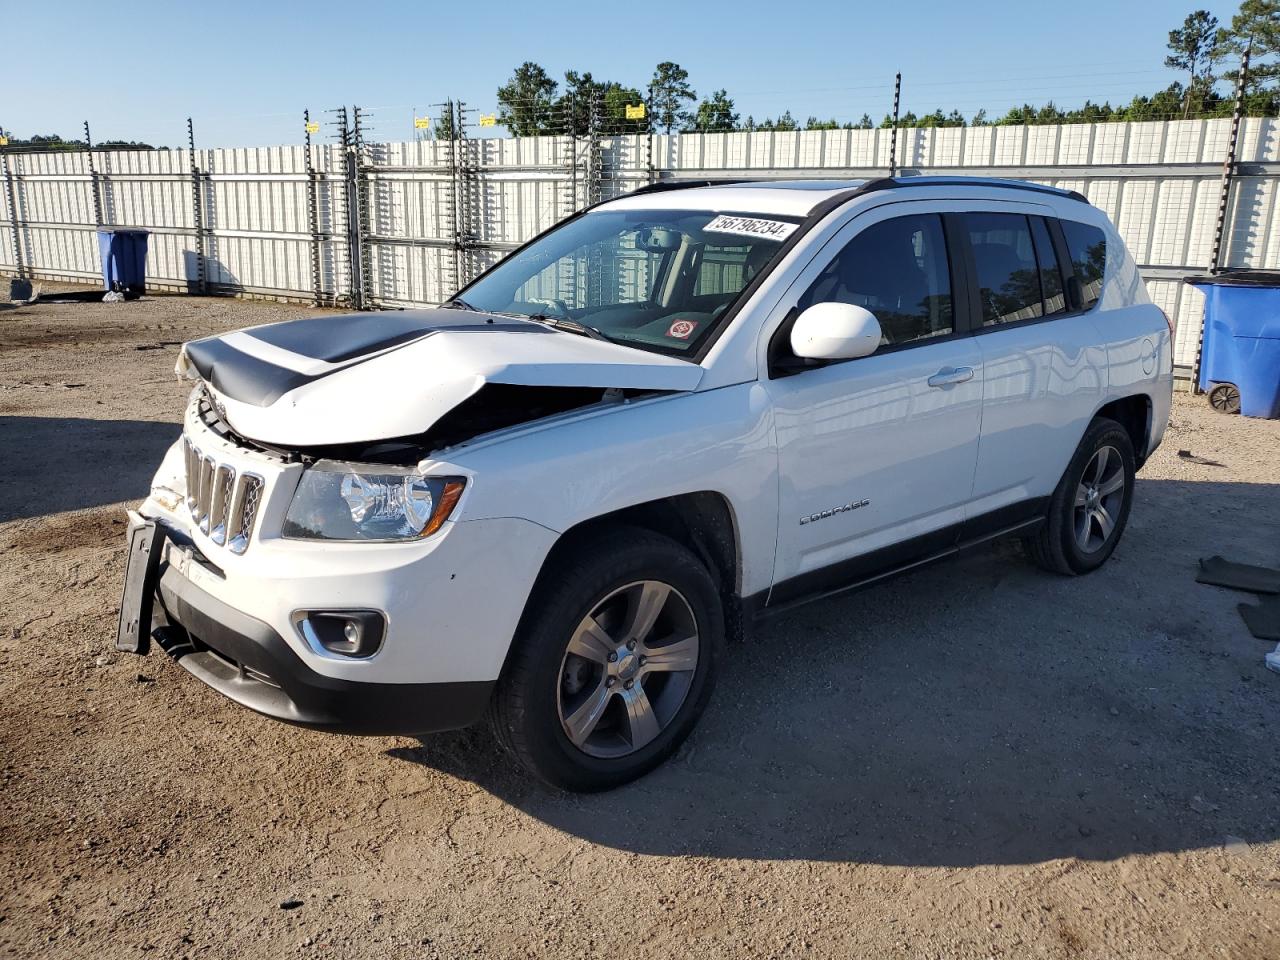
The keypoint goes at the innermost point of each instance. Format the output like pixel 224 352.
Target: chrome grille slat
pixel 193 474
pixel 205 497
pixel 245 511
pixel 224 478
pixel 223 503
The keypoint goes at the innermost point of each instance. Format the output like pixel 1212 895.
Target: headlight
pixel 343 501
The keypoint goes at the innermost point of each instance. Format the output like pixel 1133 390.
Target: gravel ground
pixel 978 760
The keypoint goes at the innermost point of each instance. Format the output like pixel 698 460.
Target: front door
pixel 877 455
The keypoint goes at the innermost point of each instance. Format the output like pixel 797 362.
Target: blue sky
pixel 135 69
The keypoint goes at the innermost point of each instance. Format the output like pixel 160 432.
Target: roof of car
pixel 795 198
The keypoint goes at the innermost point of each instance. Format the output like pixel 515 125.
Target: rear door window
pixel 1087 246
pixel 1051 285
pixel 1004 257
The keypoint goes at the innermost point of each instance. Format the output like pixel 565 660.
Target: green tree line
pixel 533 103
pixel 51 142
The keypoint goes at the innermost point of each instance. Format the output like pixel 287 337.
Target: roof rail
pixel 661 186
pixel 892 183
pixel 872 186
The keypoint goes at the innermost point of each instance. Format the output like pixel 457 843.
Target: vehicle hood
pixel 374 376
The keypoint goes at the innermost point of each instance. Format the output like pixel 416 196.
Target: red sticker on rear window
pixel 682 329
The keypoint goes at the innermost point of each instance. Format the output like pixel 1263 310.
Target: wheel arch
pixel 1133 412
pixel 703 521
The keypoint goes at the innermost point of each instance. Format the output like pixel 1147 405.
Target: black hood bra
pixel 343 339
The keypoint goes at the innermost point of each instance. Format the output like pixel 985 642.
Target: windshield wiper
pixel 569 326
pixel 457 303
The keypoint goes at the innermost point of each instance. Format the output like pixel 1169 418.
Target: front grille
pixel 206 413
pixel 223 504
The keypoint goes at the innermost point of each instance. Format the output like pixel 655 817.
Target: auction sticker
pixel 751 227
pixel 682 329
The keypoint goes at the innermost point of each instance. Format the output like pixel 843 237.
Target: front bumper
pixel 248 661
pixel 450 604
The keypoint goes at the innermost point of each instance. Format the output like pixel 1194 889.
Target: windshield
pixel 657 280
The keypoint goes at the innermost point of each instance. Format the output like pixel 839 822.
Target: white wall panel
pixel 257 226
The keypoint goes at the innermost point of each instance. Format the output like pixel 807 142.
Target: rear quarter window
pixel 1087 247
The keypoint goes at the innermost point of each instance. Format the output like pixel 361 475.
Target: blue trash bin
pixel 124 260
pixel 1240 358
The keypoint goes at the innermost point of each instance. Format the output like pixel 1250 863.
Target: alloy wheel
pixel 1099 498
pixel 627 669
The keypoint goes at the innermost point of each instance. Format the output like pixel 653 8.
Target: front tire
pixel 614 661
pixel 1090 507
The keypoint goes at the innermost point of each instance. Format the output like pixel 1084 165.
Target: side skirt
pixel 856 573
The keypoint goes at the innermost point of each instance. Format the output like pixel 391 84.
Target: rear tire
pixel 1090 507
pixel 613 663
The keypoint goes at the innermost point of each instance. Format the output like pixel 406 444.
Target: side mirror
pixel 835 331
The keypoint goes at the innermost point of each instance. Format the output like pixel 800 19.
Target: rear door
pixel 1043 362
pixel 877 454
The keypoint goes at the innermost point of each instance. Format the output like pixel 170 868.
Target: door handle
pixel 950 376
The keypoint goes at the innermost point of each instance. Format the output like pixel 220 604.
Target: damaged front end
pixel 493 408
pixel 398 387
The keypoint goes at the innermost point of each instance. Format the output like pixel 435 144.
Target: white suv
pixel 554 498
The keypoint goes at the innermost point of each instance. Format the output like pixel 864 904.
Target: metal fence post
pixel 351 202
pixel 569 155
pixel 1224 199
pixel 893 142
pixel 650 172
pixel 1229 162
pixel 364 207
pixel 15 222
pixel 595 160
pixel 197 210
pixel 313 212
pixel 93 178
pixel 464 177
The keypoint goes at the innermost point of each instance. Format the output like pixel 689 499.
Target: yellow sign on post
pixel 4 141
pixel 422 123
pixel 488 119
pixel 635 112
pixel 313 127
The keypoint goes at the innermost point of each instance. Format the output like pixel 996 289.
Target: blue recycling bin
pixel 1240 358
pixel 124 260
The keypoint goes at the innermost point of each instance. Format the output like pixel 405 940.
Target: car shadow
pixel 978 712
pixel 53 464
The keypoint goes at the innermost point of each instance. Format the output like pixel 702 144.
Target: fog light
pixel 347 633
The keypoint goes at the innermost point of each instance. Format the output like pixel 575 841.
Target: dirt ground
pixel 978 760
